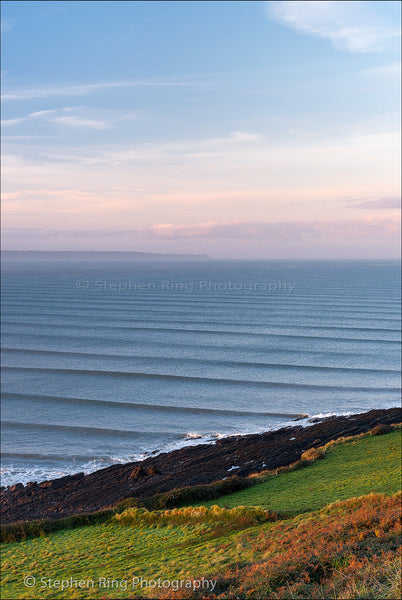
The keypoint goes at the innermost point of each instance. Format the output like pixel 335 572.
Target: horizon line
pixel 189 254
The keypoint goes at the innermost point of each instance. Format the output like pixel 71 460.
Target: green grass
pixel 172 550
pixel 115 551
pixel 369 464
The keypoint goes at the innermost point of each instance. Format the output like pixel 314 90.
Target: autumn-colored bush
pixel 380 429
pixel 350 549
pixel 313 454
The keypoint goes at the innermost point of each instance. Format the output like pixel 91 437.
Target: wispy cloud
pixel 90 88
pixel 17 121
pixel 238 137
pixel 232 144
pixel 380 204
pixel 191 148
pixel 33 115
pixel 78 122
pixel 58 116
pixel 354 26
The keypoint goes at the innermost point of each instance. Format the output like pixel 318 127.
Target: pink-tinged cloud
pixel 370 227
pixel 364 228
pixel 392 202
pixel 214 230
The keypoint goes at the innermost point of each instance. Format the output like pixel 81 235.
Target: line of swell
pixel 154 407
pixel 124 323
pixel 205 380
pixel 197 361
pixel 53 457
pixel 208 332
pixel 92 430
pixel 213 299
pixel 130 303
pixel 188 316
pixel 169 344
pixel 182 308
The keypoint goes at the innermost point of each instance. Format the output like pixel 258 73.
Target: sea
pixel 112 359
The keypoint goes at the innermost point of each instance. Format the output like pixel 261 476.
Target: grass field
pixel 370 464
pixel 244 550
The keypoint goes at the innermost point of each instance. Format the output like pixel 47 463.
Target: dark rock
pixel 16 486
pixel 62 481
pixel 137 473
pixel 224 441
pixel 153 470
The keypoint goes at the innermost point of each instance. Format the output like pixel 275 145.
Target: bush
pixel 313 454
pixel 380 429
pixel 240 515
pixel 195 494
pixel 13 532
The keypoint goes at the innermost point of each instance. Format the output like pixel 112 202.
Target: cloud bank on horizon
pixel 236 129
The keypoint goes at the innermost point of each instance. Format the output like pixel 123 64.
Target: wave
pixel 205 380
pixel 155 407
pixel 183 307
pixel 95 342
pixel 36 337
pixel 182 323
pixel 198 361
pixel 209 332
pixel 289 318
pixel 52 457
pixel 91 430
pixel 62 297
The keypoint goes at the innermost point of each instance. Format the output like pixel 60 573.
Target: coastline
pixel 191 438
pixel 191 465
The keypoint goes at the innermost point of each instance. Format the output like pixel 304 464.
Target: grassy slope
pixel 195 549
pixel 371 464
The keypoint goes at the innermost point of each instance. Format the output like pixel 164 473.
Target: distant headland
pixel 95 255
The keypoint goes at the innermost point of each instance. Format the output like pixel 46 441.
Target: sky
pixel 234 129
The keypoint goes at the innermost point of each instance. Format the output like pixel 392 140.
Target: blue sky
pixel 239 129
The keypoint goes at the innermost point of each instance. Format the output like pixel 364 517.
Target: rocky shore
pixel 202 464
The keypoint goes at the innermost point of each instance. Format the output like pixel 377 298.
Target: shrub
pixel 13 532
pixel 381 429
pixel 240 515
pixel 313 454
pixel 195 494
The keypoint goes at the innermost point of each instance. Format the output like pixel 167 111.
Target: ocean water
pixel 107 361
